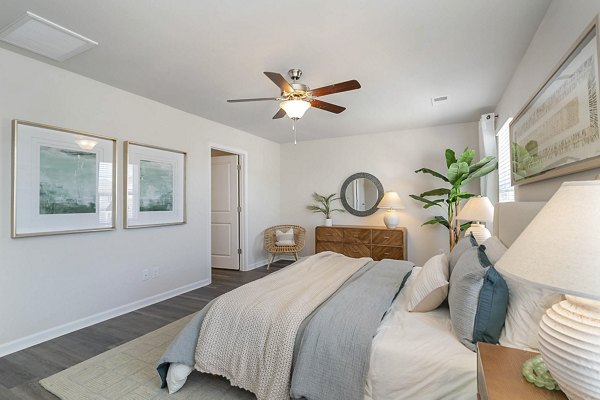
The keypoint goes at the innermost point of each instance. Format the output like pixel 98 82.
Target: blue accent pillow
pixel 473 240
pixel 478 299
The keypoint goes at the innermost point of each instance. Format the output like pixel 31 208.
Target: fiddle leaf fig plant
pixel 324 204
pixel 460 171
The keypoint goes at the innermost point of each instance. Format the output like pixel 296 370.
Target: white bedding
pixel 416 356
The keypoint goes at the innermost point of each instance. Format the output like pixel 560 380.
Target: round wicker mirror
pixel 361 193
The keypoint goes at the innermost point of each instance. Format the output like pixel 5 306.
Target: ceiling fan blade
pixel 256 99
pixel 323 105
pixel 279 114
pixel 280 81
pixel 336 88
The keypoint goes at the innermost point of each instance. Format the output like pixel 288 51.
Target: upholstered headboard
pixel 511 218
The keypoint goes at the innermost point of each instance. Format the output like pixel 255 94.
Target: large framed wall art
pixel 63 181
pixel 154 186
pixel 557 132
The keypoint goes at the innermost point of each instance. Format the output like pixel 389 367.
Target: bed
pixel 351 333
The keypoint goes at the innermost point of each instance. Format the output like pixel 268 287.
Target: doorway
pixel 226 209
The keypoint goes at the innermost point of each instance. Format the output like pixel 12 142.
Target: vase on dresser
pixel 328 221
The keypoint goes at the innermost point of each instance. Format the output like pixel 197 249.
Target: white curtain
pixel 487 147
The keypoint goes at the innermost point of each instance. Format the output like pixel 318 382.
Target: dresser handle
pixel 386 237
pixel 385 254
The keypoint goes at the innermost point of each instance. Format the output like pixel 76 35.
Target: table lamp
pixel 392 202
pixel 478 209
pixel 560 250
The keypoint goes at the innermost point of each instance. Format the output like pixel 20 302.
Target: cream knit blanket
pixel 248 334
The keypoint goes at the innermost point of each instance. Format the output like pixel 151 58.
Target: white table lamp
pixel 478 209
pixel 392 202
pixel 560 250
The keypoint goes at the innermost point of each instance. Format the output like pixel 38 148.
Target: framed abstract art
pixel 63 181
pixel 154 186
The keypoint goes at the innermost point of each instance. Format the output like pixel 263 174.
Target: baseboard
pixel 256 264
pixel 52 333
pixel 264 262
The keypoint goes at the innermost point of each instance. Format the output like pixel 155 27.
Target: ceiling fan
pixel 296 97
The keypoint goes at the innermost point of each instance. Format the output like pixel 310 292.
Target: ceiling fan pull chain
pixel 294 128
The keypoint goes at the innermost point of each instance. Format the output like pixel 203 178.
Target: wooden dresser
pixel 376 242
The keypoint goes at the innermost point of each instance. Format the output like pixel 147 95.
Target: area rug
pixel 128 372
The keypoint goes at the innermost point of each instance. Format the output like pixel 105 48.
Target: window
pixel 505 191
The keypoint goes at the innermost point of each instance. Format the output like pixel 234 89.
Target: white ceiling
pixel 193 55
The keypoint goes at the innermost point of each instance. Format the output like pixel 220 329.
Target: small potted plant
pixel 324 206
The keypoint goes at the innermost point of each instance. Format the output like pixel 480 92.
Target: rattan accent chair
pixel 271 239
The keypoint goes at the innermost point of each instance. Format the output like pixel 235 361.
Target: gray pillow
pixel 459 248
pixel 494 249
pixel 478 299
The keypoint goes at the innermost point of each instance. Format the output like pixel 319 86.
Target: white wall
pixel 322 166
pixel 55 284
pixel 565 20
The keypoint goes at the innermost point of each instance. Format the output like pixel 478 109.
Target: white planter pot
pixel 328 222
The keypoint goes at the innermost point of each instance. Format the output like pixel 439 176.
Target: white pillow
pixel 285 238
pixel 411 279
pixel 527 304
pixel 431 286
pixel 176 376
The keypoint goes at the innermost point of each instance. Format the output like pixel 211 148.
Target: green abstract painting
pixel 67 181
pixel 156 186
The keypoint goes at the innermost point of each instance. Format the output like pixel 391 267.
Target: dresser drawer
pixel 328 234
pixel 337 247
pixel 357 250
pixel 391 252
pixel 352 235
pixel 388 237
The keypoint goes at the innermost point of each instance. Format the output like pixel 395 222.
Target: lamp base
pixel 569 339
pixel 391 219
pixel 479 232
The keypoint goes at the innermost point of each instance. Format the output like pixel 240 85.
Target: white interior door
pixel 225 212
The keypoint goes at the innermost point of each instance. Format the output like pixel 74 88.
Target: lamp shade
pixel 477 209
pixel 560 248
pixel 295 109
pixel 392 201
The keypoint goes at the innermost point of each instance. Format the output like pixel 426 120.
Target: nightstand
pixel 499 375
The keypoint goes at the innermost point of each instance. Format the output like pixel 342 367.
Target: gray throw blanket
pixel 182 348
pixel 332 348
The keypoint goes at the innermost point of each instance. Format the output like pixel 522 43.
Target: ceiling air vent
pixel 46 38
pixel 437 100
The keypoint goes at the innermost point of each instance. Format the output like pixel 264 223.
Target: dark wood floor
pixel 21 371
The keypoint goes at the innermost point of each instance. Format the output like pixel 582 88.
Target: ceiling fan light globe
pixel 295 109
